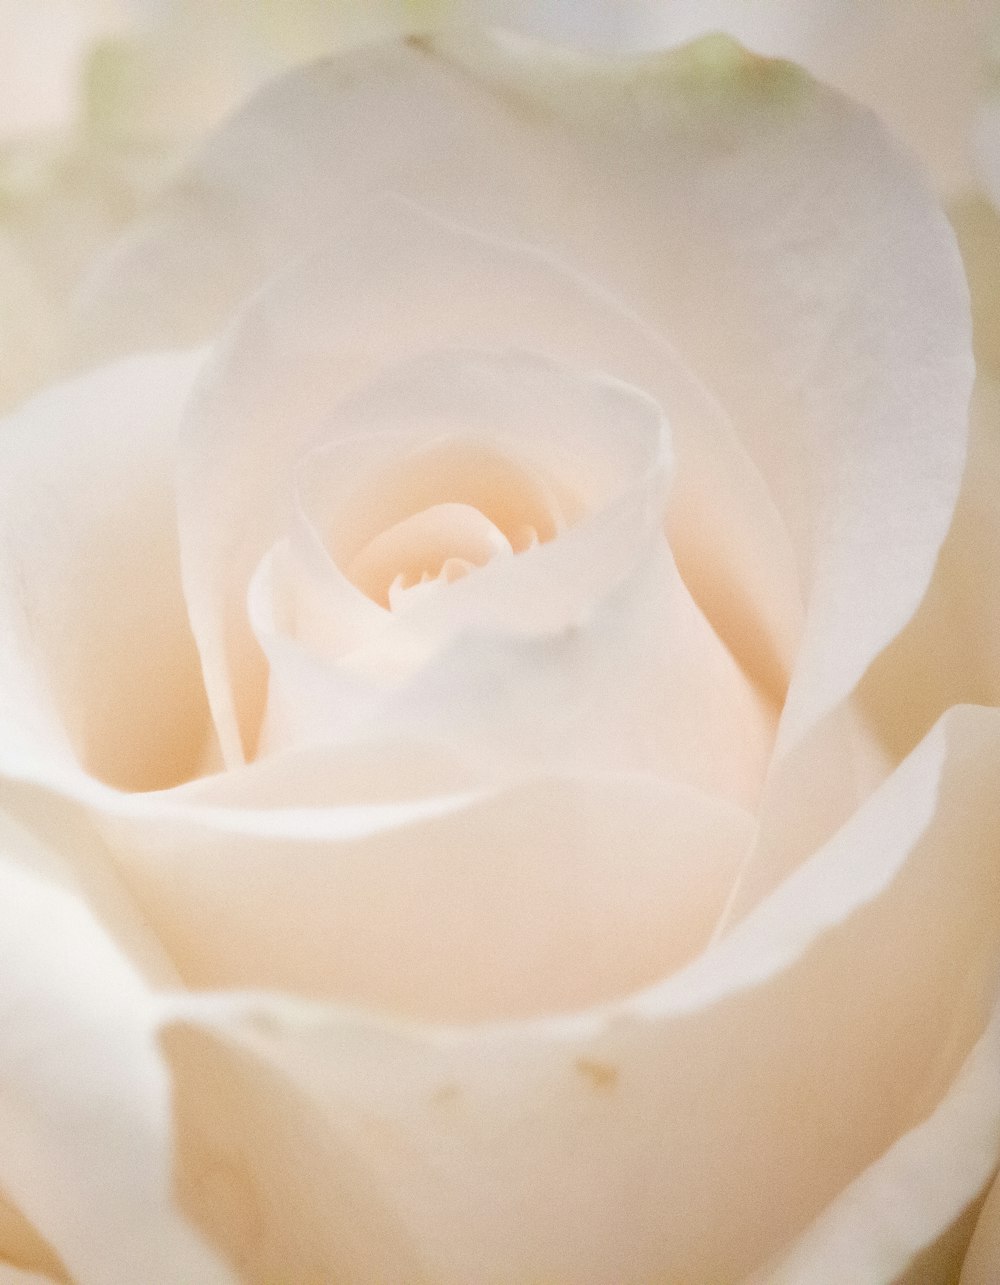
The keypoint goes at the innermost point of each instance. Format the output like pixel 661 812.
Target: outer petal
pixel 614 1143
pixel 336 851
pixel 547 894
pixel 923 1182
pixel 85 1114
pixel 950 652
pixel 805 310
pixel 97 663
pixel 766 225
pixel 984 1252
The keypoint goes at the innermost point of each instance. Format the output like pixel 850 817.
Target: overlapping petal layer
pixel 644 1106
pixel 97 663
pixel 771 233
pixel 419 285
pixel 85 1124
pixel 539 897
pixel 922 1184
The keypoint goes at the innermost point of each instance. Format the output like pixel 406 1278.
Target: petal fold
pixel 85 1145
pixel 463 1133
pixel 766 226
pixel 97 663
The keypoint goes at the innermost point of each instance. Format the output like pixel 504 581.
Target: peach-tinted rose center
pixel 439 543
pixel 442 512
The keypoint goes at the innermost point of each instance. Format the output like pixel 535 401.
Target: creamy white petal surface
pixel 644 1106
pixel 862 402
pixel 295 354
pixel 924 1180
pixel 588 638
pixel 462 707
pixel 85 1122
pixel 538 897
pixel 956 619
pixel 96 654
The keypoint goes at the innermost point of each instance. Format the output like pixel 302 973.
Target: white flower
pixel 472 694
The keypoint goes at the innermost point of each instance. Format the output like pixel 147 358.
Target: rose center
pixel 440 543
pixel 437 512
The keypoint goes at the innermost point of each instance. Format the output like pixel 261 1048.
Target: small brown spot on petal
pixel 602 1075
pixel 446 1095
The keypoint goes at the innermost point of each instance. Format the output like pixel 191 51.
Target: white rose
pixel 619 904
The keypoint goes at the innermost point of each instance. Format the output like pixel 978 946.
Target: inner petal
pixel 427 474
pixel 443 541
pixel 451 471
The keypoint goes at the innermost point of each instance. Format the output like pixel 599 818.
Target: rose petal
pixel 84 1147
pixel 640 683
pixel 984 1252
pixel 854 994
pixel 768 226
pixel 420 549
pixel 523 662
pixel 324 777
pixel 924 1181
pixel 296 353
pixel 550 893
pixel 96 656
pixel 493 430
pixel 949 654
pixel 793 352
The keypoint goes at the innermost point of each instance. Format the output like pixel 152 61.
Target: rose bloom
pixel 498 684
